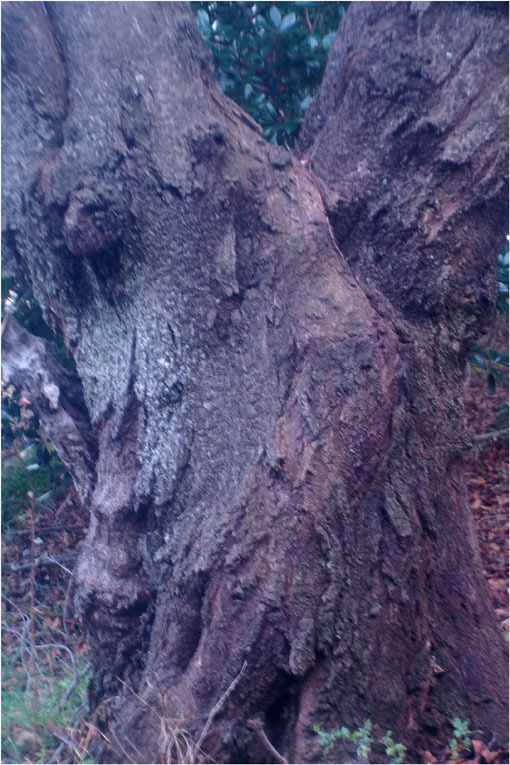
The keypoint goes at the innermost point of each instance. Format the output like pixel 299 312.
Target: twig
pixel 25 648
pixel 137 696
pixel 67 741
pixel 13 604
pixel 52 559
pixel 492 434
pixel 216 708
pixel 257 726
pixel 43 561
pixel 32 507
pixel 45 529
pixel 77 677
pixel 62 506
pixel 56 754
pixel 120 746
pixel 67 603
pixel 492 517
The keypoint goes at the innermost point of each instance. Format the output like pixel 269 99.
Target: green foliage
pixel 61 690
pixel 502 301
pixel 29 462
pixel 483 358
pixel 394 750
pixel 270 57
pixel 502 418
pixel 47 478
pixel 462 737
pixel 363 740
pixel 20 303
pixel 39 469
pixel 493 363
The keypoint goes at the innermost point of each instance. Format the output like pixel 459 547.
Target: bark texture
pixel 270 356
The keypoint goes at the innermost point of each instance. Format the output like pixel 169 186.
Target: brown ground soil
pixel 487 477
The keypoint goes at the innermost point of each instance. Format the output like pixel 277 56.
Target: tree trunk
pixel 265 420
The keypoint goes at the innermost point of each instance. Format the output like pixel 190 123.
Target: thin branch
pixel 45 560
pixel 79 676
pixel 52 559
pixel 67 501
pixel 32 508
pixel 491 435
pixel 45 529
pixel 216 708
pixel 257 726
pixel 493 517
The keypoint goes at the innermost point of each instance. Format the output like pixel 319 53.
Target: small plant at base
pixel 462 736
pixel 326 740
pixel 395 751
pixel 363 740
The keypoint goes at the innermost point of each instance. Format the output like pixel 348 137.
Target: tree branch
pixel 56 394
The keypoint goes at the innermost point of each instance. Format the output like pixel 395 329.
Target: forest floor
pixel 45 665
pixel 487 483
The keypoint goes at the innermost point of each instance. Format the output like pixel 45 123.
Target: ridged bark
pixel 270 354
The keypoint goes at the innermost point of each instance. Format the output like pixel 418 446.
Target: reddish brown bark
pixel 270 357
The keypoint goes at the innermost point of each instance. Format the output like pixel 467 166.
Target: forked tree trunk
pixel 270 353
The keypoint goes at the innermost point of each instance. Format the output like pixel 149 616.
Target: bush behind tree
pixel 270 57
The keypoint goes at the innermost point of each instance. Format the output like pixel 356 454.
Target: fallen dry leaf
pixel 478 746
pixel 92 731
pixel 489 756
pixel 56 730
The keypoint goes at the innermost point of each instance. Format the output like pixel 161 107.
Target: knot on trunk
pixel 94 221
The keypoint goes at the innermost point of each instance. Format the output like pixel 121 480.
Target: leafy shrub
pixel 270 57
pixel 363 739
pixel 503 260
pixel 46 477
pixel 462 737
pixel 491 362
pixel 20 303
pixel 29 461
pixel 483 358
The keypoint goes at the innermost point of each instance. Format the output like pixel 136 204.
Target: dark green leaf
pixel 276 16
pixel 203 23
pixel 327 41
pixel 288 21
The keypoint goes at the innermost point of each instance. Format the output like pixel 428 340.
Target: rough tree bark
pixel 270 354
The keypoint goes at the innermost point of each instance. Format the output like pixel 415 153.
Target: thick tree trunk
pixel 270 354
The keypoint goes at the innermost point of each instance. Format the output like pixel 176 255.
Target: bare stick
pixel 216 708
pixel 493 434
pixel 32 507
pixel 257 726
pixel 45 529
